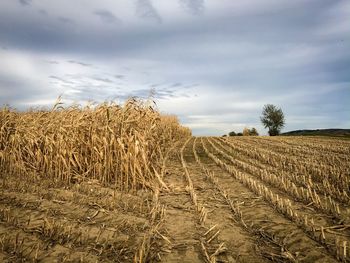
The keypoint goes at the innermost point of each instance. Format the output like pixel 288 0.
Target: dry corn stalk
pixel 115 144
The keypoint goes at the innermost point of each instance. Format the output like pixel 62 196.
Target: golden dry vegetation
pixel 123 183
pixel 119 145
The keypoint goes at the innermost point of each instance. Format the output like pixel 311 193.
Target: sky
pixel 214 64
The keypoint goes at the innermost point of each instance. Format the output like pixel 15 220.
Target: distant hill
pixel 319 132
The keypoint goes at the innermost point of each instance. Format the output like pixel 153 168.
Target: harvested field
pixel 194 199
pixel 254 200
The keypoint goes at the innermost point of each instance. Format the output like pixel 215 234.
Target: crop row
pixel 337 246
pixel 333 183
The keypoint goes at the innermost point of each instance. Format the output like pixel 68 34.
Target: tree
pixel 250 132
pixel 273 119
pixel 232 133
pixel 253 132
pixel 239 134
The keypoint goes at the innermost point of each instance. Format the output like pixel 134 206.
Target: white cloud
pixel 213 63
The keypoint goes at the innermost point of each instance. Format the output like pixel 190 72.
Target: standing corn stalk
pixel 119 144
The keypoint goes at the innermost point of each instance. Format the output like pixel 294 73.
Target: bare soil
pixel 220 219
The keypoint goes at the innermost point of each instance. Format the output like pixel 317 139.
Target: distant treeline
pixel 319 132
pixel 246 132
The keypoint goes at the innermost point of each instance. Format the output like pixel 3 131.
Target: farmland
pixel 84 186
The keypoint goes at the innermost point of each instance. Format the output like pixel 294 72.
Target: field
pixel 166 197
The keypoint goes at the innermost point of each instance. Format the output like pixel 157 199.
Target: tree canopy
pixel 253 132
pixel 273 119
pixel 250 132
pixel 232 133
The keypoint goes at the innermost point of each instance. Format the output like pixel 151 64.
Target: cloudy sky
pixel 213 63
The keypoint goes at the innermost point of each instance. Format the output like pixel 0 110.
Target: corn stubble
pixel 120 145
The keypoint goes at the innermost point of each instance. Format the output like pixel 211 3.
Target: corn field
pixel 124 183
pixel 120 145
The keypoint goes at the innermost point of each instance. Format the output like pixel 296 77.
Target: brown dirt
pixel 42 224
pixel 88 222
